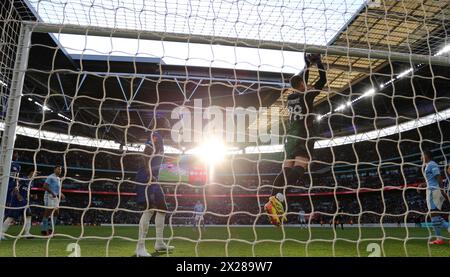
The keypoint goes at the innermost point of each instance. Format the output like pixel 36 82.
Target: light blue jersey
pixel 54 183
pixel 435 199
pixel 431 173
pixel 198 208
pixel 301 215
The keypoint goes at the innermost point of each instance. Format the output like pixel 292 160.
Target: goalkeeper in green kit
pixel 298 146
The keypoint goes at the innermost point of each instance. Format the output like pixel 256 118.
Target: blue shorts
pixel 151 197
pixel 17 209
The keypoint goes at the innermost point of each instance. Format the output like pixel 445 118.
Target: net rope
pixel 87 103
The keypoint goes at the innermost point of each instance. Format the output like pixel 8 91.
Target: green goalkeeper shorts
pixel 295 146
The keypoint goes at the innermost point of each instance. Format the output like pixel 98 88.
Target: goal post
pixel 391 56
pixel 12 114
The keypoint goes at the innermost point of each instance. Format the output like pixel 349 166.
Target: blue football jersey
pixel 431 172
pixel 54 183
pixel 155 142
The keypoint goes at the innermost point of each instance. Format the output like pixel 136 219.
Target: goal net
pixel 91 85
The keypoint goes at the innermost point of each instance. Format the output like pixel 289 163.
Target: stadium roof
pixel 416 27
pixel 316 22
pixel 402 26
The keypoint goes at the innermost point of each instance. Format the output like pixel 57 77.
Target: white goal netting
pixel 82 84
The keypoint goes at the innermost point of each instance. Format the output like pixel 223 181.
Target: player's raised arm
pixel 322 75
pixel 16 190
pixel 311 59
pixel 305 72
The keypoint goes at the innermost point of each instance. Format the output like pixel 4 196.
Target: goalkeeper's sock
pixel 292 176
pixel 143 228
pixel 279 182
pixel 296 173
pixel 159 226
pixel 27 224
pixel 8 221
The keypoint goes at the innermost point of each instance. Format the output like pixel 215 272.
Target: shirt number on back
pixel 295 112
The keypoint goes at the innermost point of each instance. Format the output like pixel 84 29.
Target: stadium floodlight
pixel 108 144
pixel 264 149
pixel 324 115
pixel 79 140
pixel 64 117
pixel 211 151
pixel 234 151
pixel 3 83
pixel 404 73
pixel 212 145
pixel 444 50
pixel 387 131
pixel 171 150
pixel 369 92
pixel 44 107
pixel 340 108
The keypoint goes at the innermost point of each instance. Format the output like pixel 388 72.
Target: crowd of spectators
pixel 362 208
pixel 100 186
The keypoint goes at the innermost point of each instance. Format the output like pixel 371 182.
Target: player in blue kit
pixel 150 196
pixel 20 204
pixel 435 198
pixel 11 193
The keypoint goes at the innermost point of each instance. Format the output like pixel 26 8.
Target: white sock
pixel 51 222
pixel 159 225
pixel 143 228
pixel 27 224
pixel 280 197
pixel 8 221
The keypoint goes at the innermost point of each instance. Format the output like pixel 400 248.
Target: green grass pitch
pixel 232 241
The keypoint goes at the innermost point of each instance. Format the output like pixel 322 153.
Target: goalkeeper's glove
pixel 275 211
